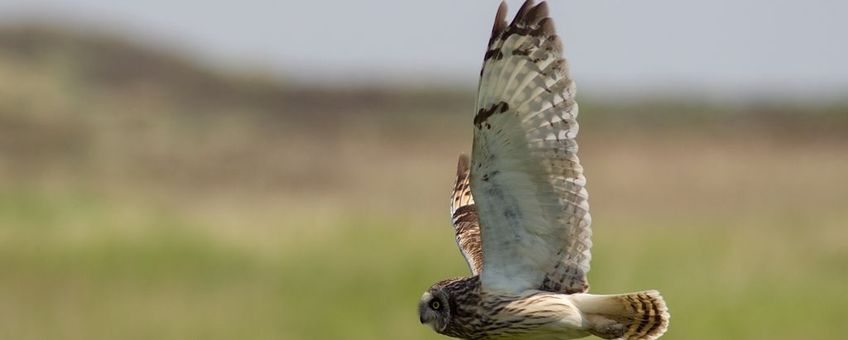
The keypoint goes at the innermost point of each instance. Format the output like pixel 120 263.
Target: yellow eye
pixel 435 305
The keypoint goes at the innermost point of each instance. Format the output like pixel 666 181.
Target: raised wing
pixel 525 175
pixel 464 218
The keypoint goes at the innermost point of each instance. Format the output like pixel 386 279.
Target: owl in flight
pixel 520 207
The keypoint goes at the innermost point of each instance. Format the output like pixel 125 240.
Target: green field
pixel 187 203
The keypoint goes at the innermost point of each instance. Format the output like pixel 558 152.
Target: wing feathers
pixel 525 174
pixel 522 13
pixel 500 22
pixel 464 218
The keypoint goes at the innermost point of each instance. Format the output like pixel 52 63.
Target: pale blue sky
pixel 718 47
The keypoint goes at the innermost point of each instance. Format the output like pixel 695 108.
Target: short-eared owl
pixel 520 209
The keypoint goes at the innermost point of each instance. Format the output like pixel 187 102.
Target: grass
pixel 167 283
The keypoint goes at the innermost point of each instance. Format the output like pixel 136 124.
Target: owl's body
pixel 535 314
pixel 479 315
pixel 520 207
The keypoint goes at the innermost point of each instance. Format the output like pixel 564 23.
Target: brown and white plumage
pixel 520 207
pixel 464 217
pixel 525 173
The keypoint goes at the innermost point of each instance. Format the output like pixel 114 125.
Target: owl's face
pixel 434 309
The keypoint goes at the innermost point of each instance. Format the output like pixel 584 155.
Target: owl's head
pixel 434 308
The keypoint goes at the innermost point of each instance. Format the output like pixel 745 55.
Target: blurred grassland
pixel 145 196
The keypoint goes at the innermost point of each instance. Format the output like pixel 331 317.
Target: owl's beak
pixel 424 317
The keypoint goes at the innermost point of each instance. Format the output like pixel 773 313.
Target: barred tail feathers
pixel 633 316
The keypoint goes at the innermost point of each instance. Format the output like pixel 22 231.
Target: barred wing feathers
pixel 526 178
pixel 464 218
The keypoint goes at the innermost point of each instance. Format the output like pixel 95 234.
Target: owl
pixel 520 207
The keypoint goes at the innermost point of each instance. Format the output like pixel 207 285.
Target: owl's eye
pixel 435 305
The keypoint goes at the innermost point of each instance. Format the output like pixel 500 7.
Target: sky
pixel 724 48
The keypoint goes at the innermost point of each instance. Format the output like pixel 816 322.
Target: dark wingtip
pixel 546 26
pixel 519 16
pixel 500 20
pixel 536 14
pixel 462 164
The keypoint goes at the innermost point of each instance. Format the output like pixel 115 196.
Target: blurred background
pixel 280 170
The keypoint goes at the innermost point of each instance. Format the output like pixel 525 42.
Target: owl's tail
pixel 633 316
